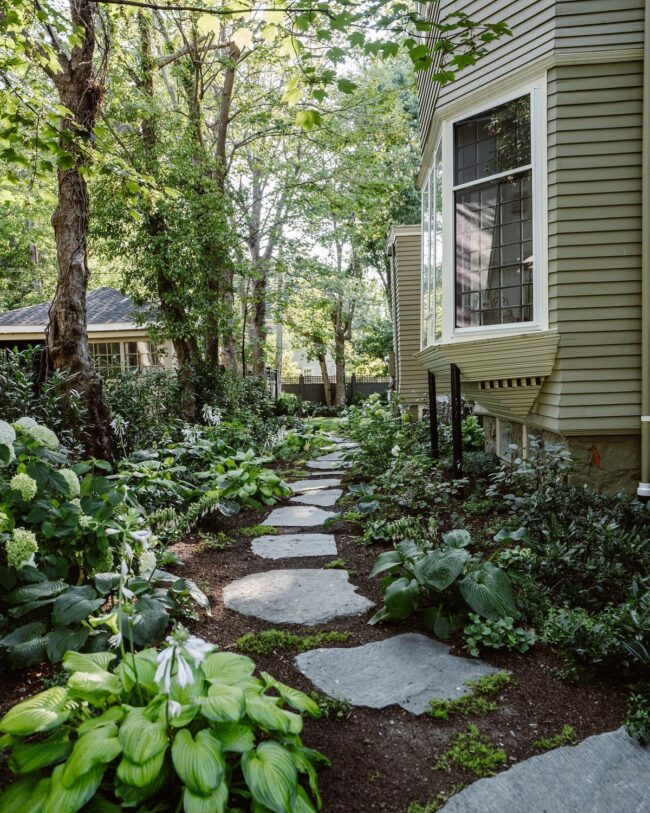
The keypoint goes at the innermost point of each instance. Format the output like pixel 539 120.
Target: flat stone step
pixel 325 498
pixel 306 597
pixel 407 670
pixel 327 465
pixel 303 486
pixel 298 516
pixel 293 546
pixel 607 773
pixel 330 456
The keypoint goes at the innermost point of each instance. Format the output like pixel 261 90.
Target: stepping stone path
pixel 407 670
pixel 298 516
pixel 290 546
pixel 305 597
pixel 327 465
pixel 302 486
pixel 607 773
pixel 326 498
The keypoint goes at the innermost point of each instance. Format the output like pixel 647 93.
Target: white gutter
pixel 644 486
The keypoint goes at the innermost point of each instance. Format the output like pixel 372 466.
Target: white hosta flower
pixel 173 709
pixel 115 641
pixel 182 649
pixel 395 451
pixel 141 536
pixel 74 487
pixel 165 661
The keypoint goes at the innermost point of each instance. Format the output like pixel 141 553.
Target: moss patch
pixel 258 530
pixel 269 641
pixel 474 752
pixel 476 703
pixel 567 736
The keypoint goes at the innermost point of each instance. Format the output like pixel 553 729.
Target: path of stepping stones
pixel 605 773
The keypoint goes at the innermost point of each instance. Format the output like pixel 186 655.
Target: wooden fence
pixel 310 387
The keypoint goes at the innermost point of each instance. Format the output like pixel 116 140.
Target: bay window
pixel 493 216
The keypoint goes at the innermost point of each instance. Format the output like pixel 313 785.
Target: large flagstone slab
pixel 331 456
pixel 407 670
pixel 325 498
pixel 304 596
pixel 303 486
pixel 607 773
pixel 327 465
pixel 298 516
pixel 291 546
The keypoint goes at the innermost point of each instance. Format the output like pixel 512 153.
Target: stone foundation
pixel 607 463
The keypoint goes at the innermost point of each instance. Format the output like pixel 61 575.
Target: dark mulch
pixel 381 759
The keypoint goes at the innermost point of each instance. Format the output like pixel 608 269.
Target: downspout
pixel 644 486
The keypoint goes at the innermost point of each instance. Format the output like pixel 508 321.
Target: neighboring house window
pixel 432 253
pixel 493 210
pixel 139 355
pixel 106 356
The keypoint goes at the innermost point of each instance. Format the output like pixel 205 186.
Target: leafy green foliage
pixel 438 802
pixel 637 720
pixel 501 634
pixel 184 728
pixel 567 736
pixel 473 752
pixel 267 642
pixel 440 579
pixel 477 702
pixel 332 706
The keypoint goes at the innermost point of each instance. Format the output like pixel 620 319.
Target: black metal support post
pixel 456 423
pixel 433 417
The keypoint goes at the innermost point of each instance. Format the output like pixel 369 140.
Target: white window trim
pixel 451 333
pixel 427 249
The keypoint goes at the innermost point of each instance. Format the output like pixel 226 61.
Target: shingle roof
pixel 103 305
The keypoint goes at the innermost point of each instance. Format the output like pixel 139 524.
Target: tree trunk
pixel 327 384
pixel 67 336
pixel 258 322
pixel 339 361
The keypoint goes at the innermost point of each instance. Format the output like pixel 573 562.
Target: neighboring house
pixel 535 262
pixel 116 340
pixel 405 254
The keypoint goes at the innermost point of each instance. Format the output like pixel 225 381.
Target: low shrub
pixel 499 634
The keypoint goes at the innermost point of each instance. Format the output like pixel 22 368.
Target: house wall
pixel 406 243
pixel 594 248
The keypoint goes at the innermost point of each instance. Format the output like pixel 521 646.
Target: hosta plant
pixel 244 479
pixel 184 729
pixel 443 582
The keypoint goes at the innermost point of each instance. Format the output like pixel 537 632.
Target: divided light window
pixel 492 192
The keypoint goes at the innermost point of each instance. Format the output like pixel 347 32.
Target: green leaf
pixel 69 800
pixel 386 561
pixel 440 569
pixel 458 538
pixel 149 622
pixel 402 597
pixel 235 738
pixel 36 592
pixel 228 668
pixel 488 592
pixel 265 712
pixel 98 747
pixel 27 757
pixel 25 796
pixel 271 776
pixel 42 712
pixel 61 640
pixel 198 762
pixel 89 662
pixel 75 605
pixel 140 738
pixel 139 668
pixel 223 704
pixel 141 774
pixel 214 803
pixel 308 119
pixel 296 699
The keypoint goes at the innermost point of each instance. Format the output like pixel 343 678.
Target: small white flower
pixel 124 569
pixel 197 649
pixel 184 673
pixel 173 708
pixel 163 676
pixel 395 451
pixel 141 536
pixel 115 640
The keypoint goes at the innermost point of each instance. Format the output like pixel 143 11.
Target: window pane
pixel 105 357
pixel 432 249
pixel 492 142
pixel 437 228
pixel 494 253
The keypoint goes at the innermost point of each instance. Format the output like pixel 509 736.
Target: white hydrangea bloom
pixel 7 433
pixel 26 423
pixel 25 485
pixel 21 548
pixel 72 480
pixel 147 562
pixel 44 436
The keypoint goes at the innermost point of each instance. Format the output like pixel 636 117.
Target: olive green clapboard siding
pixel 539 29
pixel 407 254
pixel 594 245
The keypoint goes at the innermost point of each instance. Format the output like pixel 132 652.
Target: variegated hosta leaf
pixel 89 662
pixel 141 774
pixel 198 762
pixel 140 738
pixel 223 704
pixel 271 776
pixel 27 757
pixel 25 795
pixel 62 799
pixel 294 698
pixel 235 738
pixel 42 712
pixel 265 712
pixel 97 747
pixel 226 667
pixel 214 803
